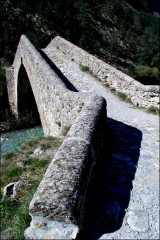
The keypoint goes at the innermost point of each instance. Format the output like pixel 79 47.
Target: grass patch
pixel 32 163
pixel 147 75
pixel 12 174
pixel 153 110
pixel 15 216
pixel 43 142
pixel 107 85
pixel 113 90
pixel 18 221
pixel 122 95
pixel 128 100
pixel 65 130
pixel 95 76
pixel 84 68
pixel 13 171
pixel 8 155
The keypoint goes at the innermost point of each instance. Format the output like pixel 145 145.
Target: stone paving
pixel 134 160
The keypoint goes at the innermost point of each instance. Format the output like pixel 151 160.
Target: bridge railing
pixel 138 93
pixel 59 202
pixel 57 105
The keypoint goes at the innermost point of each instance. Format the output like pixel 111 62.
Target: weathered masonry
pixel 57 105
pixel 141 95
pixel 58 205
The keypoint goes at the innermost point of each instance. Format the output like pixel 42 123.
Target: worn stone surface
pixel 133 142
pixel 144 194
pixel 141 95
pixel 58 106
pixel 62 192
pixel 42 228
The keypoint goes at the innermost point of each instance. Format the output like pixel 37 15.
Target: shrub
pixel 12 174
pixel 8 155
pixel 23 167
pixel 106 84
pixel 122 95
pixel 128 100
pixel 113 89
pixel 84 68
pixel 142 72
pixel 95 76
pixel 33 163
pixel 153 110
pixel 14 171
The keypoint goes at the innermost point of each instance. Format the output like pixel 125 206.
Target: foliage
pixel 128 100
pixel 122 95
pixel 142 72
pixel 8 155
pixel 42 142
pixel 153 110
pixel 15 216
pixel 4 109
pixel 12 173
pixel 33 163
pixel 84 68
pixel 113 89
pixel 95 76
pixel 65 130
pixel 112 30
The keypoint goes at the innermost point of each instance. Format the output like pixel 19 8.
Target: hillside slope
pixel 113 30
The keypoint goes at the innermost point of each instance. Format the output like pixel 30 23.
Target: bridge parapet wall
pixel 57 105
pixel 58 206
pixel 141 95
pixel 59 203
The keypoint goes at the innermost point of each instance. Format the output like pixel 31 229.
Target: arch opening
pixel 27 108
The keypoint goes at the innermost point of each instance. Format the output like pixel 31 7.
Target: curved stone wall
pixel 57 105
pixel 63 191
pixel 141 95
pixel 58 205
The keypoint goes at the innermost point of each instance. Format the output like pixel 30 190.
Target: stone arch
pixel 12 77
pixel 57 105
pixel 26 104
pixel 40 83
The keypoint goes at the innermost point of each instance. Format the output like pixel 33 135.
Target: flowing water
pixel 13 140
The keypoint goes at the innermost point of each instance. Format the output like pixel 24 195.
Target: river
pixel 13 140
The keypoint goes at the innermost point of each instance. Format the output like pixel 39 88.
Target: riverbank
pixel 27 166
pixel 7 126
pixel 12 141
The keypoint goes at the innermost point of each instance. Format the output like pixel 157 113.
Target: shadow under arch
pixel 27 107
pixel 110 192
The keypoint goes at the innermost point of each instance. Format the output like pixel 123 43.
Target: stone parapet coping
pixel 146 96
pixel 61 197
pixel 63 191
pixel 96 65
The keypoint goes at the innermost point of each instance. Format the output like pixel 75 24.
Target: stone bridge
pixel 64 99
pixel 57 101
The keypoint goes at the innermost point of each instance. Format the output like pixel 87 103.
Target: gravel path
pixel 127 125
